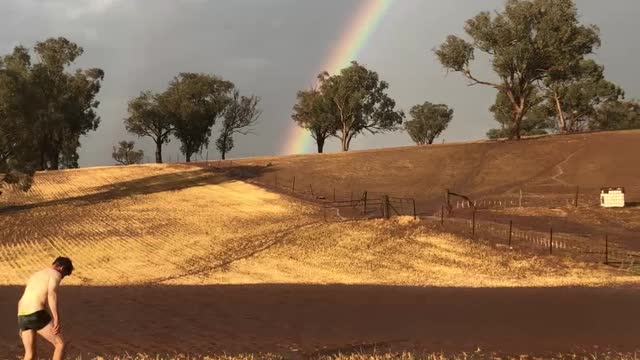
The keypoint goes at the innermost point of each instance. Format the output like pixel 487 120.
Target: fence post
pixel 606 249
pixel 446 196
pixel 415 216
pixel 473 231
pixel 351 198
pixel 447 199
pixel 510 231
pixel 334 194
pixel 577 193
pixel 311 189
pixel 385 206
pixel 520 200
pixel 442 215
pixel 293 186
pixel 551 240
pixel 364 204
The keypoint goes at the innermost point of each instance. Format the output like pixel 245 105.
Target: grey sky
pixel 272 48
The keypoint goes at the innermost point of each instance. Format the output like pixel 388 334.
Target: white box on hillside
pixel 612 197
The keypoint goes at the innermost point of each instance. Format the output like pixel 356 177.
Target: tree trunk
pixel 517 123
pixel 345 133
pixel 54 160
pixel 158 152
pixel 346 139
pixel 562 122
pixel 349 138
pixel 224 142
pixel 188 156
pixel 320 142
pixel 43 162
pixel 517 111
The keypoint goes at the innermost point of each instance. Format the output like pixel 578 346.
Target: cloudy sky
pixel 272 48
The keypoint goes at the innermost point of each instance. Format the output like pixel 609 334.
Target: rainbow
pixel 354 38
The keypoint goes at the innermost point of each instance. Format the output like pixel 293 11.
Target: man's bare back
pixel 38 309
pixel 36 292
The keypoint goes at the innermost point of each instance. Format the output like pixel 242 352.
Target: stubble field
pixel 181 258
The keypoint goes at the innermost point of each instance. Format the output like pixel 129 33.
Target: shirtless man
pixel 38 309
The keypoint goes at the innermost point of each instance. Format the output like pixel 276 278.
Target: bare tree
pixel 241 113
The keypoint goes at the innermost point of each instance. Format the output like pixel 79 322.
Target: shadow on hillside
pixel 309 320
pixel 151 185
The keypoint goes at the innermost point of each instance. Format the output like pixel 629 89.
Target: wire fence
pixel 602 248
pixel 570 197
pixel 336 204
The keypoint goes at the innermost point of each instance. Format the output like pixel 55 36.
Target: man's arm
pixel 52 300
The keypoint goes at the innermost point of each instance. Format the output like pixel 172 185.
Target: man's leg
pixel 29 341
pixel 56 340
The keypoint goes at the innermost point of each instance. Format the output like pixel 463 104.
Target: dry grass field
pixel 167 224
pixel 182 258
pixel 141 224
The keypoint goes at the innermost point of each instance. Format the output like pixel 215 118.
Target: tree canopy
pixel 193 102
pixel 617 115
pixel 535 122
pixel 313 112
pixel 427 122
pixel 528 42
pixel 148 118
pixel 18 154
pixel 64 103
pixel 356 100
pixel 44 109
pixel 125 153
pixel 575 97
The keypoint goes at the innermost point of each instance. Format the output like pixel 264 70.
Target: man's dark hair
pixel 65 264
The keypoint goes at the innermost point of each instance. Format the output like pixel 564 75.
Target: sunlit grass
pixel 198 227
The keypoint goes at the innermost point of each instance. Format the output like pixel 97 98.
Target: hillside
pixel 154 224
pixel 177 258
pixel 547 171
pixel 539 165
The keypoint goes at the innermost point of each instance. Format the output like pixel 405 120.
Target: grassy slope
pixel 183 225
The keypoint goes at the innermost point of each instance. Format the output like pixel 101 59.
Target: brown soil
pixel 546 169
pixel 305 319
pixel 546 165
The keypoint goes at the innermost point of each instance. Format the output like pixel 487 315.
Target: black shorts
pixel 34 321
